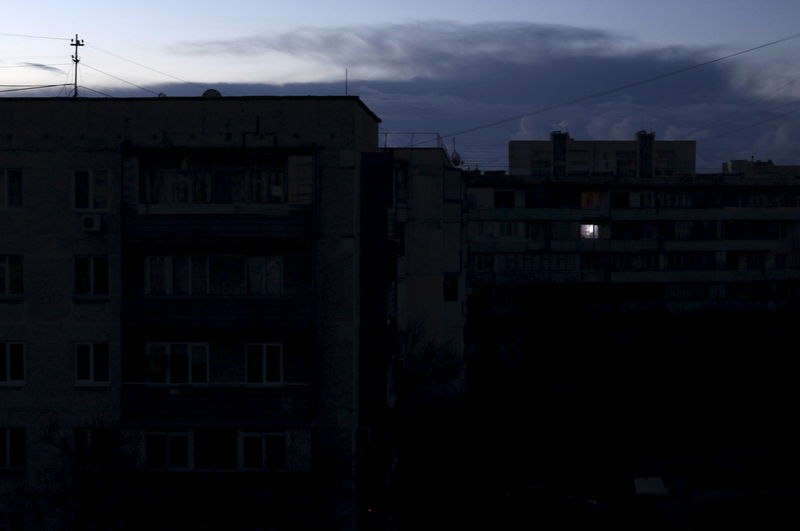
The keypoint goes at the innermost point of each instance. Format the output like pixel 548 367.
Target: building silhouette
pixel 203 307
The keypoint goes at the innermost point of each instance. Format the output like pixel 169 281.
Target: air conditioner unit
pixel 91 223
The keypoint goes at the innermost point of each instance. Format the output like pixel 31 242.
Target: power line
pixel 606 92
pixel 120 79
pixel 32 36
pixel 34 87
pixel 97 91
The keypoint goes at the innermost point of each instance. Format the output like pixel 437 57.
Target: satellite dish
pixel 212 93
pixel 456 158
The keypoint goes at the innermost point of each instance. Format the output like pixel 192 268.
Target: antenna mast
pixel 75 59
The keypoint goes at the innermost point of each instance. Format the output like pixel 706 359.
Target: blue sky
pixel 448 65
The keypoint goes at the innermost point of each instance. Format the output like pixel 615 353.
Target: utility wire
pixel 97 91
pixel 144 66
pixel 32 36
pixel 34 87
pixel 120 79
pixel 606 92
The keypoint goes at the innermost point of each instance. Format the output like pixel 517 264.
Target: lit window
pixel 590 231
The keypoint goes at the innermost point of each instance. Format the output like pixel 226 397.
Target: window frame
pixel 92 381
pixel 91 190
pixel 5 188
pixel 168 435
pixel 5 359
pixel 263 436
pixel 6 283
pixel 7 448
pixel 264 380
pixel 589 231
pixel 168 366
pixel 93 276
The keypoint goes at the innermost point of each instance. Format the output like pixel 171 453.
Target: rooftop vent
pixel 212 93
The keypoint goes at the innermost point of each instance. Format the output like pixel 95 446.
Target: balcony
pixel 290 312
pixel 216 404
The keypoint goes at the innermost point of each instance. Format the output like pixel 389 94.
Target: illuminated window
pixel 590 231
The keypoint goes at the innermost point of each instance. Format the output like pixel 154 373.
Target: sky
pixel 447 66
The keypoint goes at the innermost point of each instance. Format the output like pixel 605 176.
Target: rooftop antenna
pixel 75 59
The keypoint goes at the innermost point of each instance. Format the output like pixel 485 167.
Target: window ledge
pixel 91 298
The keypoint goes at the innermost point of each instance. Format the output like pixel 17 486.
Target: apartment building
pixel 199 309
pixel 621 300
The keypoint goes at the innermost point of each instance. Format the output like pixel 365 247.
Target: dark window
pixel 215 449
pixel 166 450
pixel 12 521
pixel 620 200
pixel 451 287
pixel 266 451
pixel 92 362
pixel 95 446
pixel 91 275
pixel 12 448
pixel 11 274
pixel 12 363
pixel 91 189
pixel 503 199
pixel 177 363
pixel 10 188
pixel 264 363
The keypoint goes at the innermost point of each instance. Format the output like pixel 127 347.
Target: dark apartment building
pixel 631 309
pixel 203 303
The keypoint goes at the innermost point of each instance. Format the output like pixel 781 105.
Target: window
pixel 91 275
pixel 10 188
pixel 177 363
pixel 620 200
pixel 508 229
pixel 167 450
pixel 91 189
pixel 12 521
pixel 263 451
pixel 12 448
pixel 504 199
pixel 94 446
pixel 193 180
pixel 12 363
pixel 589 231
pixel 11 274
pixel 215 275
pixel 215 449
pixel 264 363
pixel 450 287
pixel 590 199
pixel 91 363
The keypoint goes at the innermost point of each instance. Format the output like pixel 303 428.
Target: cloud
pixel 46 68
pixel 450 77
